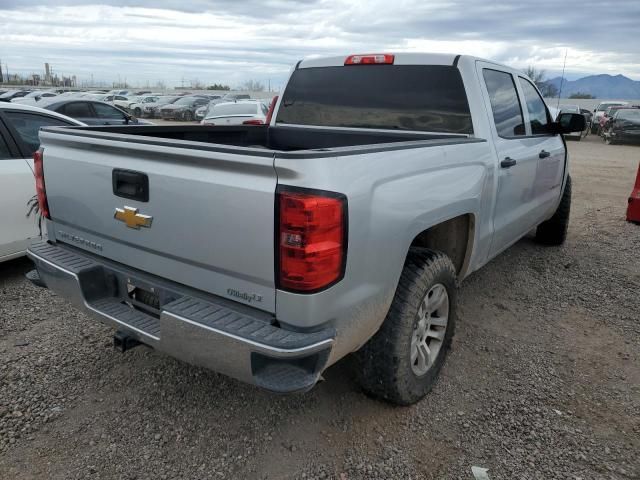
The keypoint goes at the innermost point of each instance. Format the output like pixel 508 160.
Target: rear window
pixel 234 109
pixel 428 98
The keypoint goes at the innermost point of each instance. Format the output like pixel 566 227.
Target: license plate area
pixel 147 298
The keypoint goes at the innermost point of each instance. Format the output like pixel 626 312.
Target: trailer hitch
pixel 123 341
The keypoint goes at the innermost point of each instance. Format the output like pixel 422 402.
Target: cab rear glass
pixel 428 98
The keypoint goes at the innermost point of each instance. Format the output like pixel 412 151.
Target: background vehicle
pixel 598 112
pixel 183 108
pixel 270 252
pixel 92 112
pixel 151 110
pixel 246 112
pixel 123 93
pixel 575 109
pixel 32 98
pixel 121 101
pixel 624 126
pixel 137 107
pixel 19 125
pixel 11 94
pixel 603 124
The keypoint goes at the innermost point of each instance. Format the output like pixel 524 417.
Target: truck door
pixel 515 209
pixel 546 148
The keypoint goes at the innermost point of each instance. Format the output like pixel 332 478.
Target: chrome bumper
pixel 201 329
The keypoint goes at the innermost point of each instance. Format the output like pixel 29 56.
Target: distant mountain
pixel 600 86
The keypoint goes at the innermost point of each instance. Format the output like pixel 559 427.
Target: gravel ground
pixel 543 381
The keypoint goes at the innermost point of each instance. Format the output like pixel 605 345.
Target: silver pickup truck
pixel 344 225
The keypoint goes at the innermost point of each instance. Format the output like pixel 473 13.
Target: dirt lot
pixel 543 380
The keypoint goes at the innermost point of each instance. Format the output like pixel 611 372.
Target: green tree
pixel 581 95
pixel 218 86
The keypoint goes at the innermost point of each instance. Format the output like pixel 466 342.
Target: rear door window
pixel 427 98
pixel 77 110
pixel 107 111
pixel 538 117
pixel 505 105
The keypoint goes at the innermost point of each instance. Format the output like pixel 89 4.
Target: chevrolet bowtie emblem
pixel 132 218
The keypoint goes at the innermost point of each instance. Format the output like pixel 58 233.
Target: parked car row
pixel 183 106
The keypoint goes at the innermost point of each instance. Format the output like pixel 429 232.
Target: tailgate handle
pixel 130 184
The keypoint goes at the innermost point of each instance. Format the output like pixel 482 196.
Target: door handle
pixel 544 154
pixel 508 162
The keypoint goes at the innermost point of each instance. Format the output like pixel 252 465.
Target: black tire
pixel 383 365
pixel 188 116
pixel 137 112
pixel 609 141
pixel 554 230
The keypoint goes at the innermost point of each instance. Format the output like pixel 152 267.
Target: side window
pixel 27 125
pixel 107 111
pixel 538 117
pixel 77 110
pixel 507 112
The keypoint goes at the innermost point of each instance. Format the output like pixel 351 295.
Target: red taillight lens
pixel 312 240
pixel 370 59
pixel 38 170
pixel 253 122
pixel 272 107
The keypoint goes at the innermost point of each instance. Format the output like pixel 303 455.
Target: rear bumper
pixel 201 329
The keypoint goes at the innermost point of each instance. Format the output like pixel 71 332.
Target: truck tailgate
pixel 212 212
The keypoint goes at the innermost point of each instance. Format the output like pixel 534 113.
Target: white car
pixel 136 107
pixel 122 101
pixel 19 126
pixel 243 112
pixel 33 97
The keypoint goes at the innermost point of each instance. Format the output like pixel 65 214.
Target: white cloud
pixel 232 41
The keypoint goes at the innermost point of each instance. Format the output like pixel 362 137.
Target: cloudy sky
pixel 231 41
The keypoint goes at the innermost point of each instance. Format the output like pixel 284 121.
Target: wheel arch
pixel 454 237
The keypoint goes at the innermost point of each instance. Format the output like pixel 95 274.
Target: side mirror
pixel 570 122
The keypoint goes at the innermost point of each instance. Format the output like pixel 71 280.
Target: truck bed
pixel 314 141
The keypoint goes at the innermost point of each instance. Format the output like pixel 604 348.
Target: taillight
pixel 370 59
pixel 253 122
pixel 272 107
pixel 311 238
pixel 38 170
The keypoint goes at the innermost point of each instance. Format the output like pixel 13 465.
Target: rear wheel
pixel 554 231
pixel 188 116
pixel 137 112
pixel 401 362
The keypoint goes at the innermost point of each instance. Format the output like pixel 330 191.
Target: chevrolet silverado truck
pixel 344 225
